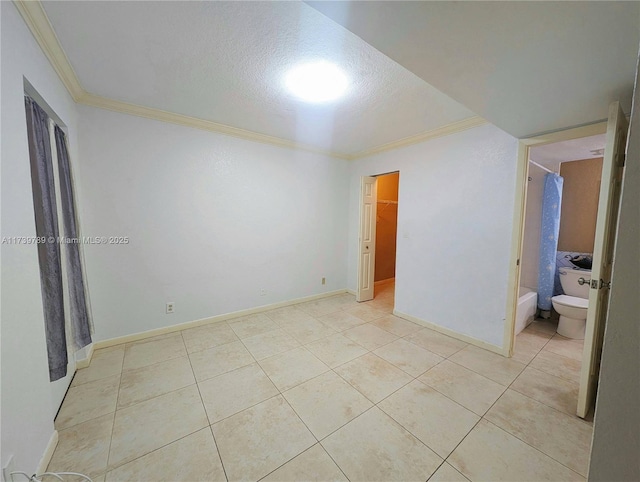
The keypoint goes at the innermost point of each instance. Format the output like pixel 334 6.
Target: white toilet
pixel 572 306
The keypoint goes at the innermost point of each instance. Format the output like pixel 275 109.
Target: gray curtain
pixel 44 200
pixel 81 327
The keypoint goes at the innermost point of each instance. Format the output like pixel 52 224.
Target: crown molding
pixel 36 19
pixel 445 130
pixel 196 123
pixel 202 124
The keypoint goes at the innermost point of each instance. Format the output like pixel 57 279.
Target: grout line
pixel 155 450
pixel 484 376
pixel 71 385
pixel 444 394
pixel 118 409
pixel 300 454
pixel 333 369
pixel 376 404
pixel 299 418
pixel 224 470
pixel 573 416
pixel 124 408
pixel 204 407
pixel 247 408
pixel 172 391
pixel 155 362
pixel 528 365
pixel 193 373
pixel 533 447
pixel 212 347
pixel 334 461
pixel 280 393
pixel 483 417
pixel 113 425
pixel 66 427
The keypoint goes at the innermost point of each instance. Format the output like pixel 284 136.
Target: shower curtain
pixel 551 204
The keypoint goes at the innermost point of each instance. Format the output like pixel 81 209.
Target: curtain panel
pixel 551 206
pixel 46 217
pixel 80 324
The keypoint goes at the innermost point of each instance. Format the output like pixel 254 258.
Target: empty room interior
pixel 320 241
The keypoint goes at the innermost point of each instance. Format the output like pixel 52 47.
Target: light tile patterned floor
pixel 326 390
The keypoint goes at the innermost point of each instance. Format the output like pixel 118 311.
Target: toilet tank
pixel 569 282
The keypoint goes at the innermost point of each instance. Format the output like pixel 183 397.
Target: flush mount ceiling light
pixel 317 82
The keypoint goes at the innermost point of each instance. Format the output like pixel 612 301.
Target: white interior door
pixel 367 239
pixel 608 205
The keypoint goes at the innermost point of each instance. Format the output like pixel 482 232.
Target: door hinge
pixel 605 284
pixel 600 284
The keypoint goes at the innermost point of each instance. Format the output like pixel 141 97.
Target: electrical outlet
pixel 171 307
pixel 324 281
pixel 7 469
pixel 263 292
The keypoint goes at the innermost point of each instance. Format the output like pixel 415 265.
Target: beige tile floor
pixel 326 390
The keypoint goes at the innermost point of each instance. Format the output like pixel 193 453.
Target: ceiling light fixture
pixel 317 82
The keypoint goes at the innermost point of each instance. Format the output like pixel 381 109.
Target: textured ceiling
pixel 527 67
pixel 550 155
pixel 225 62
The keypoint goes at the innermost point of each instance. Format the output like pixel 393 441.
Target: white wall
pixel 27 422
pixel 616 428
pixel 455 212
pixel 212 220
pixel 533 223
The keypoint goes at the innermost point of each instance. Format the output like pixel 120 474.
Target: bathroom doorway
pixel 378 240
pixel 578 165
pixel 566 226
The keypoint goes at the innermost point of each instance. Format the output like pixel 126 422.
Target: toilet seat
pixel 571 301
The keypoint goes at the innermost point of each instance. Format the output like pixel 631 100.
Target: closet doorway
pixel 386 231
pixel 378 238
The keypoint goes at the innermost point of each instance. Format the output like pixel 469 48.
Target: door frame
pixel 520 203
pixel 361 220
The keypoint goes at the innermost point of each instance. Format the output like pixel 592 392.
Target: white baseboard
pixel 384 281
pixel 86 361
pixel 376 283
pixel 453 334
pixel 48 453
pixel 205 321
